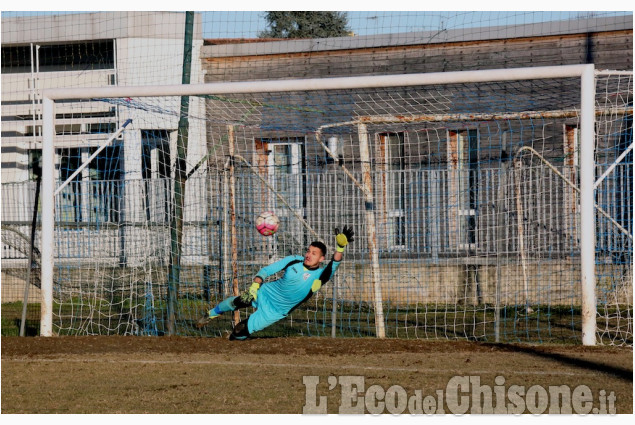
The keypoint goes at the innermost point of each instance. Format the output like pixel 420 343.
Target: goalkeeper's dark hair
pixel 320 245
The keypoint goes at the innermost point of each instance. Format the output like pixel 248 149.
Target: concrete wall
pixel 95 26
pixel 554 283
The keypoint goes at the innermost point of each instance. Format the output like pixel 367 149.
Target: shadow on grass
pixel 623 374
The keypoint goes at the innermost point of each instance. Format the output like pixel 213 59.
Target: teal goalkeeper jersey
pixel 277 298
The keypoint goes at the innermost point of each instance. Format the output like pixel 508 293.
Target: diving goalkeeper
pixel 274 300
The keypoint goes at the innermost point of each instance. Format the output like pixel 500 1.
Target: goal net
pixel 464 193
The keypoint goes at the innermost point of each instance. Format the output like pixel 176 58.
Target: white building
pixel 98 49
pixel 91 50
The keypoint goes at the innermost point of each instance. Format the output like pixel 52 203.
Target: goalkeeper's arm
pixel 342 239
pixel 265 272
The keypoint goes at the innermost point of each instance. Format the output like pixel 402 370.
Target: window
pixel 82 56
pixel 35 164
pixel 462 152
pixel 156 172
pixel 281 162
pixel 93 194
pixel 391 160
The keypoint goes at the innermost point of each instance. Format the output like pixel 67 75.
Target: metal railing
pixel 432 213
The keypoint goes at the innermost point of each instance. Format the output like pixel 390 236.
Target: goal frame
pixel 586 73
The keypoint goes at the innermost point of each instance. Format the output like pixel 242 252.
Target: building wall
pixel 94 26
pixel 149 51
pixel 418 283
pixel 608 43
pixel 606 49
pixel 310 59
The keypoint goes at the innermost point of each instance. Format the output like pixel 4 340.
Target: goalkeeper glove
pixel 317 284
pixel 250 294
pixel 253 290
pixel 343 238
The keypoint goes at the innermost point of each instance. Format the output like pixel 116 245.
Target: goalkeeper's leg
pixel 241 331
pixel 260 319
pixel 228 304
pixel 254 323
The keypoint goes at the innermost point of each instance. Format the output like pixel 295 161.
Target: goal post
pixel 587 202
pixel 48 215
pixel 584 73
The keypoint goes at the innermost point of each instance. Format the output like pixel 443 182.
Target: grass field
pixel 546 324
pixel 114 374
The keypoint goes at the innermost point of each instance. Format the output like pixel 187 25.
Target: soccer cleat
pixel 234 337
pixel 206 319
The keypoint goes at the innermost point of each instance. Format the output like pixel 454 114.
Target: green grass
pixel 545 324
pixel 11 319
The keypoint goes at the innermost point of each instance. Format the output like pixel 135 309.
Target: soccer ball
pixel 267 223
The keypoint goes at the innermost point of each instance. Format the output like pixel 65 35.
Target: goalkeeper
pixel 275 300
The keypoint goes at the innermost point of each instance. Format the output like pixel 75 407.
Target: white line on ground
pixel 428 371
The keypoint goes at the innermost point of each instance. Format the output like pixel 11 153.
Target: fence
pixel 433 252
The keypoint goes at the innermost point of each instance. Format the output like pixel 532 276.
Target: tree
pixel 305 25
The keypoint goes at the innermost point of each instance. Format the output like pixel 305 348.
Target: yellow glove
pixel 253 290
pixel 343 238
pixel 317 284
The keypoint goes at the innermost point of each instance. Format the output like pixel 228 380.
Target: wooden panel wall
pixel 608 50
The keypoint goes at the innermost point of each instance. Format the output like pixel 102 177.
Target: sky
pixel 245 20
pixel 248 23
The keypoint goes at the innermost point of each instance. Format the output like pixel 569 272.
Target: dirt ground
pixel 100 374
